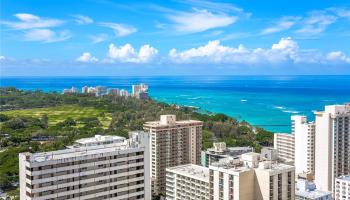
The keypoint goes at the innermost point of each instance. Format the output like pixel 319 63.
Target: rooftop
pixel 177 123
pixel 77 152
pixel 344 178
pixel 100 139
pixel 190 170
pixel 308 190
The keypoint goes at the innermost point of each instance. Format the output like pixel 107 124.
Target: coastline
pixel 260 100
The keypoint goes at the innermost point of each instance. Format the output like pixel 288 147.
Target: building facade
pixel 109 171
pixel 172 143
pixel 342 188
pixel 304 135
pixel 332 148
pixel 284 144
pixel 140 91
pixel 187 182
pixel 251 177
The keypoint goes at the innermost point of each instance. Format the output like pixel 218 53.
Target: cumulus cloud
pixel 127 54
pixel 120 30
pixel 200 20
pixel 46 35
pixel 30 21
pixel 338 56
pixel 285 51
pixel 81 19
pixel 87 58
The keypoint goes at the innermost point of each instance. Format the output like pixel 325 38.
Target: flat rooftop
pixel 77 152
pixel 190 170
pixel 315 194
pixel 177 123
pixel 344 178
pixel 100 138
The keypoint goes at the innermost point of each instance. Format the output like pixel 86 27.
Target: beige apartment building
pixel 188 181
pixel 103 167
pixel 172 143
pixel 253 176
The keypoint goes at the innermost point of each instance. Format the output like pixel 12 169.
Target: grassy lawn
pixel 60 113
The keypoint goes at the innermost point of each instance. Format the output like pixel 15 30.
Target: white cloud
pixel 341 12
pixel 87 58
pixel 81 19
pixel 29 21
pixel 283 24
pixel 120 30
pixel 127 53
pixel 46 35
pixel 316 22
pixel 200 20
pixel 98 38
pixel 338 56
pixel 285 51
pixel 2 58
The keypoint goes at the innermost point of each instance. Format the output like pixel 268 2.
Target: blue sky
pixel 108 37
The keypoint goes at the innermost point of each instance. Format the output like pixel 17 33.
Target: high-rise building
pixel 220 151
pixel 91 170
pixel 304 134
pixel 172 143
pixel 85 89
pixel 332 149
pixel 124 93
pixel 251 177
pixel 298 147
pixel 100 91
pixel 113 91
pixel 140 91
pixel 306 190
pixel 187 182
pixel 284 144
pixel 342 188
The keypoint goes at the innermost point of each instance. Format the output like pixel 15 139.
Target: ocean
pixel 266 101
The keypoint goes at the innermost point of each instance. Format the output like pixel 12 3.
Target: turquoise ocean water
pixel 266 101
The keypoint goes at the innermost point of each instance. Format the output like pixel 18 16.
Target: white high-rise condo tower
pixel 332 149
pixel 304 135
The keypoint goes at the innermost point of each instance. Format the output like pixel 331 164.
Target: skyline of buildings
pixel 321 148
pixel 139 91
pixel 312 162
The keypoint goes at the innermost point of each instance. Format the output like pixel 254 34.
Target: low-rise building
pixel 187 182
pixel 306 190
pixel 220 151
pixel 342 188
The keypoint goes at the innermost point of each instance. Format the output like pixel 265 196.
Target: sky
pixel 193 37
